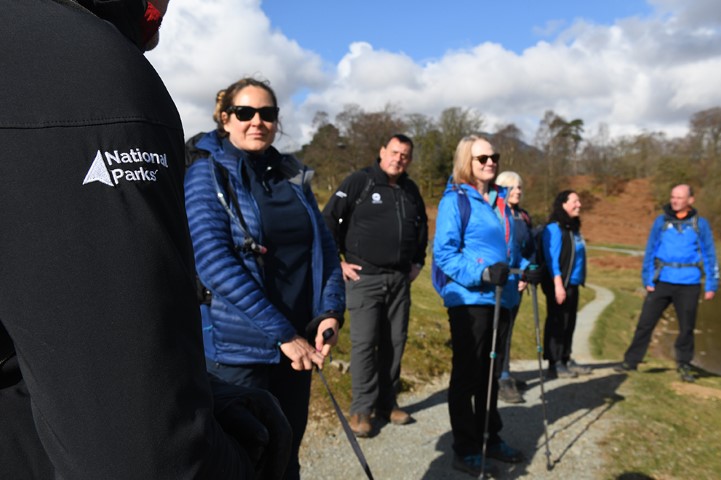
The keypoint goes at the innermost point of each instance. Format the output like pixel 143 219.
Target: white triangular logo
pixel 98 172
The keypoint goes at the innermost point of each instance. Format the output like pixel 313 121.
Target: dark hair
pixel 224 99
pixel 558 214
pixel 404 139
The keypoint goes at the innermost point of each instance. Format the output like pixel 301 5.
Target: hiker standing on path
pixel 564 254
pixel 379 221
pixel 508 386
pixel 265 255
pixel 475 250
pixel 679 251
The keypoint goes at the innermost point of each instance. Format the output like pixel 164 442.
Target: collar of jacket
pixel 126 15
pixel 290 167
pixel 381 177
pixel 671 215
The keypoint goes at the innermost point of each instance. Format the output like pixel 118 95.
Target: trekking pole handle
pixel 327 335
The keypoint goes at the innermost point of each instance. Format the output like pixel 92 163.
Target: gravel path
pixel 577 411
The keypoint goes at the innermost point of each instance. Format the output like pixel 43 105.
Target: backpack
pixel 438 278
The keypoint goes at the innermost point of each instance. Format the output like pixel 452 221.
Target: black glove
pixel 254 419
pixel 496 274
pixel 533 274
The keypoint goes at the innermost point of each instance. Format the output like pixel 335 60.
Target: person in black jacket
pixel 97 289
pixel 378 219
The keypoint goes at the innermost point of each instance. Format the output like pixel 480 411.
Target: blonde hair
pixel 510 179
pixel 462 159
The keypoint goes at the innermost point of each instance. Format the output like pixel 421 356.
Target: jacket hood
pixel 126 15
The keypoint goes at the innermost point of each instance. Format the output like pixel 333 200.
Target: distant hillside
pixel 624 219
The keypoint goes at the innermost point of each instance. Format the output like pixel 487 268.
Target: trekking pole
pixel 496 318
pixel 539 349
pixel 327 334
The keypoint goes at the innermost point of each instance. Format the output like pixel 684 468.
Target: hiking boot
pixel 508 392
pixel 360 423
pixel 624 367
pixel 562 371
pixel 576 368
pixel 520 384
pixel 400 417
pixel 503 452
pixel 396 417
pixel 684 372
pixel 471 464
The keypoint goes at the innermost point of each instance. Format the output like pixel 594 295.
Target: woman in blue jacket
pixel 564 251
pixel 475 253
pixel 264 254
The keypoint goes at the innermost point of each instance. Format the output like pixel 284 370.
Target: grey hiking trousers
pixel 379 305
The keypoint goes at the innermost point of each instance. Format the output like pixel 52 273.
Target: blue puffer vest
pixel 241 326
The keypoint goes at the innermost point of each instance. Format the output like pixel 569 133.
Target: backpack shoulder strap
pixel 464 208
pixel 367 188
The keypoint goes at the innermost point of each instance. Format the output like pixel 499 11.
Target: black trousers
pixel 685 301
pixel 471 339
pixel 290 387
pixel 560 324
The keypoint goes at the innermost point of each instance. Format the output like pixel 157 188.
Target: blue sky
pixel 426 30
pixel 623 67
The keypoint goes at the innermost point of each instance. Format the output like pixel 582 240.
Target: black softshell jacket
pixel 377 225
pixel 94 251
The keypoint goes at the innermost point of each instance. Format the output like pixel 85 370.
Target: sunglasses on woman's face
pixel 496 157
pixel 245 113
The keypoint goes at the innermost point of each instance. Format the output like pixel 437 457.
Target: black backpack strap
pixel 367 188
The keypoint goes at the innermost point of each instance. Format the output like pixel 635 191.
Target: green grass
pixel 658 432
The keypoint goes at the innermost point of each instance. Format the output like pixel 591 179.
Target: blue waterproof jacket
pixel 675 250
pixel 488 239
pixel 241 326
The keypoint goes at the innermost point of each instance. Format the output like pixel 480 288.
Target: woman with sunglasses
pixel 564 252
pixel 263 255
pixel 474 246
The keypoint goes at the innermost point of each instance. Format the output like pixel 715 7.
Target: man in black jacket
pixel 97 287
pixel 378 219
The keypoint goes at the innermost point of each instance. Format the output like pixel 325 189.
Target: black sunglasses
pixel 496 157
pixel 245 113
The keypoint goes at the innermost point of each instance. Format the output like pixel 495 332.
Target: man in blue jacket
pixel 680 250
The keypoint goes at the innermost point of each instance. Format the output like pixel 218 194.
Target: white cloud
pixel 637 74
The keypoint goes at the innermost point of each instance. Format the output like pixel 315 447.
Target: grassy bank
pixel 664 428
